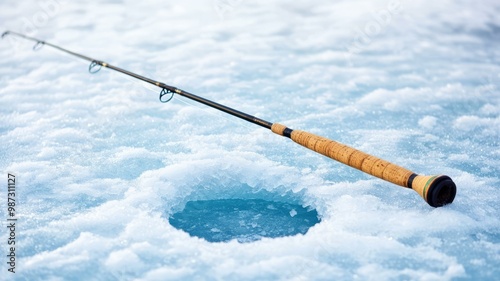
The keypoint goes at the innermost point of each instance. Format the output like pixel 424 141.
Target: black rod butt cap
pixel 441 192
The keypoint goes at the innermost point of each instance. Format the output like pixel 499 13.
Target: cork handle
pixel 353 157
pixel 436 190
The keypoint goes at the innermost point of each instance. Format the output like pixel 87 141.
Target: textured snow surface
pixel 102 165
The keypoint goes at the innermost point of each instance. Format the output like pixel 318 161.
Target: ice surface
pixel 102 164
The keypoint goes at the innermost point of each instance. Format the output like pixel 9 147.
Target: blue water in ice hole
pixel 246 220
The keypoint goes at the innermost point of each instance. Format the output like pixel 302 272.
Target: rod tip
pixel 5 33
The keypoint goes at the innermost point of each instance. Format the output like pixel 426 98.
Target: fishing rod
pixel 436 190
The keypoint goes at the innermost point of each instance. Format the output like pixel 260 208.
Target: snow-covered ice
pixel 103 166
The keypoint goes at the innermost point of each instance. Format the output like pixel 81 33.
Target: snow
pixel 102 165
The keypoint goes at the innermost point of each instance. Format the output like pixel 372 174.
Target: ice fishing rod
pixel 437 190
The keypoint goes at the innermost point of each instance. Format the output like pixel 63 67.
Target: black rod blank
pixel 165 88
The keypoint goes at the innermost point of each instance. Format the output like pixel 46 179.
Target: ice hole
pixel 245 220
